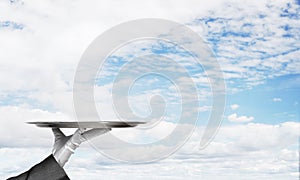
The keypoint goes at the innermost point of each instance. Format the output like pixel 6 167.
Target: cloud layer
pixel 256 150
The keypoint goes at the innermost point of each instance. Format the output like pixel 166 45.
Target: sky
pixel 256 44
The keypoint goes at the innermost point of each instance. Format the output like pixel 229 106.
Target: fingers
pixel 80 136
pixel 58 134
pixel 95 132
pixel 59 139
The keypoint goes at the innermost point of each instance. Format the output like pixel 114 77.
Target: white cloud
pixel 15 132
pixel 51 42
pixel 28 157
pixel 234 106
pixel 147 133
pixel 250 45
pixel 277 99
pixel 204 108
pixel 240 119
pixel 255 150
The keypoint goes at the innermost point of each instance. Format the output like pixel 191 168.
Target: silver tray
pixel 87 124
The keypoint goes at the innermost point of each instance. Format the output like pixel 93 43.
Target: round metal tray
pixel 87 124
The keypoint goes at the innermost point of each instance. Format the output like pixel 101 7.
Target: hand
pixel 64 146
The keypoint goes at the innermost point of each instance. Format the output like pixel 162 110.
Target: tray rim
pixel 85 124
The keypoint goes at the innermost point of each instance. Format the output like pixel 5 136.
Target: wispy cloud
pixel 250 45
pixel 277 99
pixel 234 106
pixel 239 119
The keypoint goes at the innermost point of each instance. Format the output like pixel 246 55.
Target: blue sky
pixel 270 105
pixel 257 44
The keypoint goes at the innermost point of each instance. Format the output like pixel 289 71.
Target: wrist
pixel 62 155
pixel 71 146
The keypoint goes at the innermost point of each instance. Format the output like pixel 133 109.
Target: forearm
pixel 47 169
